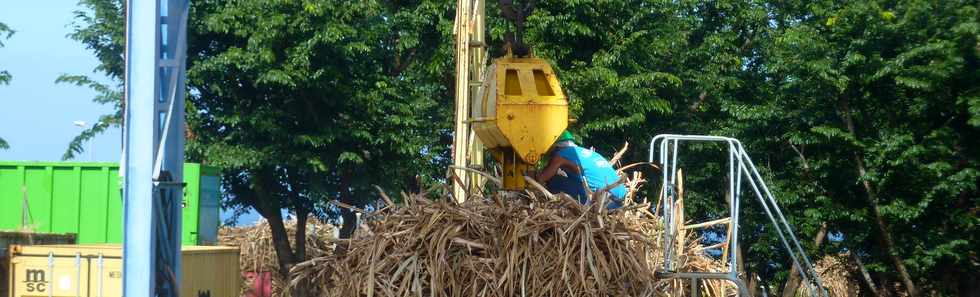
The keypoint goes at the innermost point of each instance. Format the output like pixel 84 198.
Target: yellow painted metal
pixel 520 111
pixel 469 28
pixel 513 168
pixel 519 123
pixel 73 270
pixel 478 63
pixel 214 269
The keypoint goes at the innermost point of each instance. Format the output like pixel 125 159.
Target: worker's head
pixel 566 139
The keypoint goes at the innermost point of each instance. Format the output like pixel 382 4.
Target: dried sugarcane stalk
pixel 526 244
pixel 257 253
pixel 619 154
pixel 837 275
pixel 502 244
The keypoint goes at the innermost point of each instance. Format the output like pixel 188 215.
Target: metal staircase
pixel 741 170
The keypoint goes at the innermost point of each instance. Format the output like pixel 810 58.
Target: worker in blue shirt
pixel 579 163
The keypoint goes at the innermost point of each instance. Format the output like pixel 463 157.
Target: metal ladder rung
pixel 696 277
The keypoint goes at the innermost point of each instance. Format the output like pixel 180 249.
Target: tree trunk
pixel 887 243
pixel 349 217
pixel 793 283
pixel 300 237
pixel 864 273
pixel 752 283
pixel 271 209
pixel 301 289
pixel 886 238
pixel 280 239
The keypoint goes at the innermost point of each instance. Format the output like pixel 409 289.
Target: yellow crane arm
pixel 471 59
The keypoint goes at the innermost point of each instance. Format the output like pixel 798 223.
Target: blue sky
pixel 37 115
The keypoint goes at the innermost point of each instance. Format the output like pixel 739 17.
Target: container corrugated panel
pixel 84 198
pixel 20 238
pixel 96 271
pixel 202 197
pixel 210 271
pixel 47 198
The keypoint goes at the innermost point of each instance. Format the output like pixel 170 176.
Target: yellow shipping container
pixel 96 271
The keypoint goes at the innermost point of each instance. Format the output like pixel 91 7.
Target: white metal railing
pixel 667 148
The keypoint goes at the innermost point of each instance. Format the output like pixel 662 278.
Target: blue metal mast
pixel 153 145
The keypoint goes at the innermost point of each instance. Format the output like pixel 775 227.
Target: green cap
pixel 567 135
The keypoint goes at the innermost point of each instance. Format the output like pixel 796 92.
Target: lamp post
pixel 83 125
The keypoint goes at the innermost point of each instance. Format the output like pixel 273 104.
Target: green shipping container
pixel 84 198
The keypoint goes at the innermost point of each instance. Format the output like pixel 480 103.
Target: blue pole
pixel 153 146
pixel 140 138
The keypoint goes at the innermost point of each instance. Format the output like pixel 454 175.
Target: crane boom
pixel 471 60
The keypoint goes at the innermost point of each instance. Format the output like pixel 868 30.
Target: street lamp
pixel 83 124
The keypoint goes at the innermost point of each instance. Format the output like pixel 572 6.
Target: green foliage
pixel 5 32
pixel 783 77
pixel 613 63
pixel 906 80
pixel 353 93
pixel 310 101
pixel 100 26
pixel 305 102
pixel 105 95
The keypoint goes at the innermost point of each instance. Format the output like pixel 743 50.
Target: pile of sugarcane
pixel 258 254
pixel 529 243
pixel 505 244
pixel 837 275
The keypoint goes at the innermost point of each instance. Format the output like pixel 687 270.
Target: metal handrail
pixel 739 165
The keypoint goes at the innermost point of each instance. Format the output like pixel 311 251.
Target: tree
pixel 777 75
pixel 309 101
pixel 5 33
pixel 633 69
pixel 100 26
pixel 348 94
pixel 858 113
pixel 887 86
